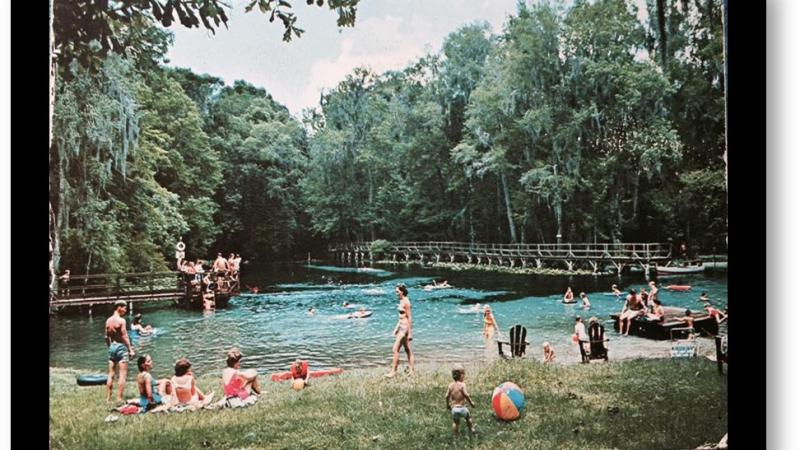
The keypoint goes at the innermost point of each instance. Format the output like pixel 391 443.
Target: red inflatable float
pixel 678 287
pixel 283 376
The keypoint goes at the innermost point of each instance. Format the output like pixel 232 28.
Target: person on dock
pixel 657 312
pixel 689 323
pixel 63 282
pixel 549 353
pixel 220 265
pixel 569 296
pixel 632 309
pixel 456 399
pixel 585 300
pixel 184 384
pixel 645 297
pixel 718 315
pixel 119 348
pixel 136 325
pixel 653 291
pixel 402 331
pixel 489 323
pixel 152 392
pixel 236 382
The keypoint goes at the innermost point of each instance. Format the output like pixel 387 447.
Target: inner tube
pixel 180 246
pixel 92 380
pixel 568 303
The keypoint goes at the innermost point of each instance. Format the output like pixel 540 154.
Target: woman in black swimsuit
pixel 402 331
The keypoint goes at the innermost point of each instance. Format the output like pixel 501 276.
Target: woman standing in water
pixel 402 331
pixel 489 323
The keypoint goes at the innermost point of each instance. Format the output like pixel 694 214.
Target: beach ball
pixel 298 384
pixel 508 401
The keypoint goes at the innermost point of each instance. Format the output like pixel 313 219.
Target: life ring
pixel 180 246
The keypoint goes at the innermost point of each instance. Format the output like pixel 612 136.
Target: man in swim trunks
pixel 456 397
pixel 119 348
pixel 632 309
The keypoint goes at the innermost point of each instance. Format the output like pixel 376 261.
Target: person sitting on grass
pixel 549 353
pixel 456 397
pixel 186 390
pixel 300 371
pixel 150 389
pixel 238 383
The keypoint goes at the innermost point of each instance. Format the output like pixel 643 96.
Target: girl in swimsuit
pixel 238 383
pixel 568 296
pixel 184 384
pixel 151 390
pixel 402 331
pixel 489 324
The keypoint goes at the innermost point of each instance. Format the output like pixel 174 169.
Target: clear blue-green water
pixel 273 328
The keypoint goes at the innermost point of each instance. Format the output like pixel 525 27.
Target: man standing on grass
pixel 119 348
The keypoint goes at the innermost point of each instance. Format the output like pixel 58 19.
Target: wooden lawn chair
pixel 516 342
pixel 597 344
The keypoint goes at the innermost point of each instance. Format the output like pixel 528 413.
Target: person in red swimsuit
pixel 238 383
pixel 299 371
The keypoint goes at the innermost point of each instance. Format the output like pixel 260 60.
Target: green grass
pixel 639 404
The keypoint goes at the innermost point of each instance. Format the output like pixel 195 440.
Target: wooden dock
pixel 571 256
pixel 99 289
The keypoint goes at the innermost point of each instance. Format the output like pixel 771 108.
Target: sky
pixel 389 34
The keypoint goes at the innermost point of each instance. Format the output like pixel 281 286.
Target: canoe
pixel 92 380
pixel 678 287
pixel 704 324
pixel 680 269
pixel 283 376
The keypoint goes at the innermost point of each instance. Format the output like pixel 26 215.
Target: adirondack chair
pixel 597 344
pixel 516 342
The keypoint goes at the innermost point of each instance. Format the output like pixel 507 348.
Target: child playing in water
pixel 549 353
pixel 455 399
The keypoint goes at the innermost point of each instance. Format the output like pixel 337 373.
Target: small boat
pixel 672 270
pixel 678 287
pixel 641 326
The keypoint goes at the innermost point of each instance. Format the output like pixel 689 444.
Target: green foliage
pixel 380 247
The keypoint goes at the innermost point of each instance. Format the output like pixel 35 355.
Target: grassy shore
pixel 638 404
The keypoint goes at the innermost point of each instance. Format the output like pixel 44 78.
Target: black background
pixel 29 216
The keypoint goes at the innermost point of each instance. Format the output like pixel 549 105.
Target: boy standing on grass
pixel 455 398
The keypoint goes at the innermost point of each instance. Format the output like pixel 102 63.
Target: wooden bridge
pixel 89 290
pixel 571 256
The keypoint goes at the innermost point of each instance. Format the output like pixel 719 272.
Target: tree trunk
pixel 54 243
pixel 725 80
pixel 509 212
pixel 662 33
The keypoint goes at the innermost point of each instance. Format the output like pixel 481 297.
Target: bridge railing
pixel 109 285
pixel 645 251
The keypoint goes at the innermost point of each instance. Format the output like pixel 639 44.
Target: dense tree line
pixel 576 122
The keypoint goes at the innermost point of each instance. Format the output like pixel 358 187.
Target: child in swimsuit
pixel 689 323
pixel 549 353
pixel 456 397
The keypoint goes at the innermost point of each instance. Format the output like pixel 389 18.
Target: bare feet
pixel 389 375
